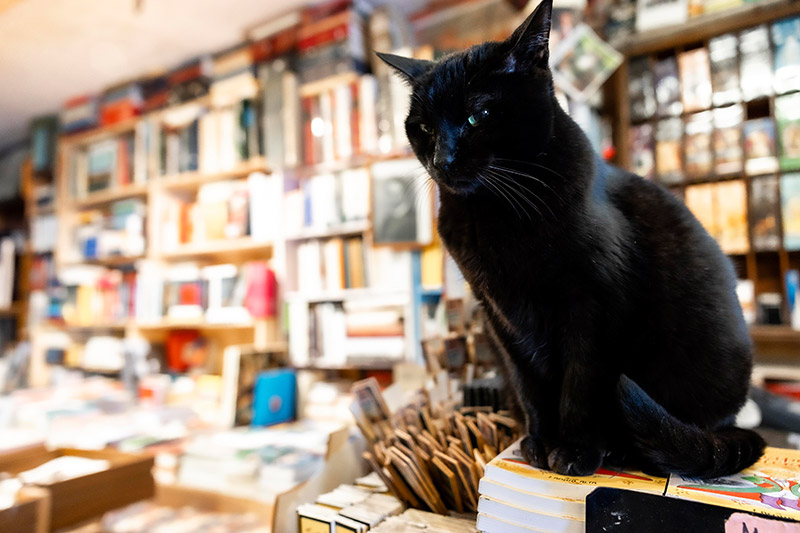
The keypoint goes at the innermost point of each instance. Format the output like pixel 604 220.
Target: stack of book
pixel 120 103
pixel 517 497
pixel 79 113
pixel 352 510
pixel 103 165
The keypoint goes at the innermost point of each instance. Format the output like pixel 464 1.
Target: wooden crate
pixel 128 479
pixel 30 514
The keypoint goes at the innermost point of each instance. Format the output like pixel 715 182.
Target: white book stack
pixel 6 272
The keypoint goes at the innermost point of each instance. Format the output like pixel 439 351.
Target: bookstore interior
pixel 225 305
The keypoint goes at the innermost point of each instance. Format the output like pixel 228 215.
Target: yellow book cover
pixel 509 468
pixel 770 487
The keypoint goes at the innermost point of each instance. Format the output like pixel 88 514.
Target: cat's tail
pixel 670 445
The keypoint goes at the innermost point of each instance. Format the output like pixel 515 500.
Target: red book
pixel 328 36
pixel 123 163
pixel 178 342
pixel 308 135
pixel 355 119
pixel 261 297
pixel 118 111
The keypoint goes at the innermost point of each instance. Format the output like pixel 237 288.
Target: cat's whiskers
pixel 516 193
pixel 516 186
pixel 531 163
pixel 495 189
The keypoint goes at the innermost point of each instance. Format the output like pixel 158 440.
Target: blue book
pixel 275 397
pixel 786 37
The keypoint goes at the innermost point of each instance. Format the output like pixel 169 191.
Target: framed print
pixel 401 204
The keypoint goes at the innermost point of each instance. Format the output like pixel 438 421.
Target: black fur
pixel 614 313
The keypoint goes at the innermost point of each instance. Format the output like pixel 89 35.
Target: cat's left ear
pixel 408 67
pixel 529 44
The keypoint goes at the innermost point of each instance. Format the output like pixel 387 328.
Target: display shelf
pixel 111 195
pixel 706 26
pixel 343 230
pixel 193 180
pixel 776 333
pixel 355 161
pixel 315 87
pixel 111 261
pixel 243 246
pixel 89 135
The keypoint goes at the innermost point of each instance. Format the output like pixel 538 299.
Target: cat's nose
pixel 443 160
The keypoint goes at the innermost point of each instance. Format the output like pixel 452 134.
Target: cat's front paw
pixel 535 452
pixel 575 460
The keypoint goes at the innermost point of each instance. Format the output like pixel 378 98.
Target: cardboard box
pixel 127 480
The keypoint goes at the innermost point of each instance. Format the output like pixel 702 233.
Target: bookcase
pixel 691 107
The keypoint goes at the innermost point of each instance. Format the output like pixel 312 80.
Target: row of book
pixel 96 295
pixel 732 69
pixel 118 231
pixel 332 335
pixel 8 260
pixel 772 208
pixel 327 202
pixel 331 265
pixel 221 210
pixel 718 143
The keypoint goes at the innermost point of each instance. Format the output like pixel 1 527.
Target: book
pixel 573 508
pixel 755 66
pixel 768 487
pixel 583 62
pixel 731 213
pixel 275 397
pixel 698 155
pixel 652 14
pixel 759 146
pixel 525 517
pixel 764 212
pixel 241 366
pixel 225 295
pixel 728 154
pixel 668 88
pixel 695 80
pixel 43 134
pixel 790 210
pixel 490 523
pixel 723 52
pixel 641 89
pixel 101 165
pixel 509 468
pixel 700 201
pixel 786 39
pixel 787 117
pixel 669 163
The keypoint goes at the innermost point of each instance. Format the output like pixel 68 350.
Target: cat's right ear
pixel 529 44
pixel 408 67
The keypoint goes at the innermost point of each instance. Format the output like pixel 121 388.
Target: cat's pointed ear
pixel 529 44
pixel 408 67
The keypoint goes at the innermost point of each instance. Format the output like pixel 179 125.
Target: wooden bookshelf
pixel 224 250
pixel 109 196
pixel 344 230
pixel 194 180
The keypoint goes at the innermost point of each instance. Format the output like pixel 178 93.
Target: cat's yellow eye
pixel 475 118
pixel 426 129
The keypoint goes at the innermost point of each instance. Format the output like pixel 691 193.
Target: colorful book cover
pixel 790 207
pixel 764 208
pixel 759 146
pixel 643 160
pixel 700 201
pixel 509 468
pixel 756 63
pixel 723 52
pixel 787 115
pixel 770 487
pixel 731 214
pixel 699 159
pixel 695 80
pixel 669 165
pixel 641 89
pixel 786 38
pixel 728 155
pixel 668 87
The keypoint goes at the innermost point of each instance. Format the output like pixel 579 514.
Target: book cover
pixel 790 210
pixel 731 214
pixel 764 208
pixel 695 80
pixel 573 508
pixel 770 487
pixel 669 163
pixel 643 159
pixel 700 201
pixel 723 52
pixel 786 38
pixel 509 468
pixel 491 523
pixel 651 14
pixel 755 63
pixel 787 116
pixel 698 155
pixel 759 146
pixel 668 87
pixel 728 154
pixel 641 89
pixel 275 397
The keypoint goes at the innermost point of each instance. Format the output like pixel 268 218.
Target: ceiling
pixel 53 50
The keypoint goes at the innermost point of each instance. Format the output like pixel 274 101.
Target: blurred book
pixel 790 210
pixel 787 117
pixel 695 77
pixel 731 213
pixel 759 146
pixel 728 153
pixel 724 56
pixel 700 201
pixel 651 15
pixel 120 103
pixel 764 211
pixel 755 67
pixel 281 114
pixel 7 272
pixel 668 88
pixel 275 397
pixel 79 113
pixel 643 160
pixel 44 138
pixel 641 89
pixel 698 155
pixel 669 165
pixel 786 38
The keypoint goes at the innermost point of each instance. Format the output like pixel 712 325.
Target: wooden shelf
pixel 347 229
pixel 316 87
pixel 378 295
pixel 87 136
pixel 375 365
pixel 243 246
pixel 112 261
pixel 111 195
pixel 767 333
pixel 353 162
pixel 13 311
pixel 706 26
pixel 193 180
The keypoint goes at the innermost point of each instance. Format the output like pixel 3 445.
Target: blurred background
pixel 210 218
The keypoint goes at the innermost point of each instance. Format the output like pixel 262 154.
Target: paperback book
pixel 697 145
pixel 695 80
pixel 642 154
pixel 700 201
pixel 786 38
pixel 759 147
pixel 756 63
pixel 668 87
pixel 787 116
pixel 641 89
pixel 731 214
pixel 669 165
pixel 764 209
pixel 790 210
pixel 724 55
pixel 728 153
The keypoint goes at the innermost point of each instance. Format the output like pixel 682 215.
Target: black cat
pixel 613 311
